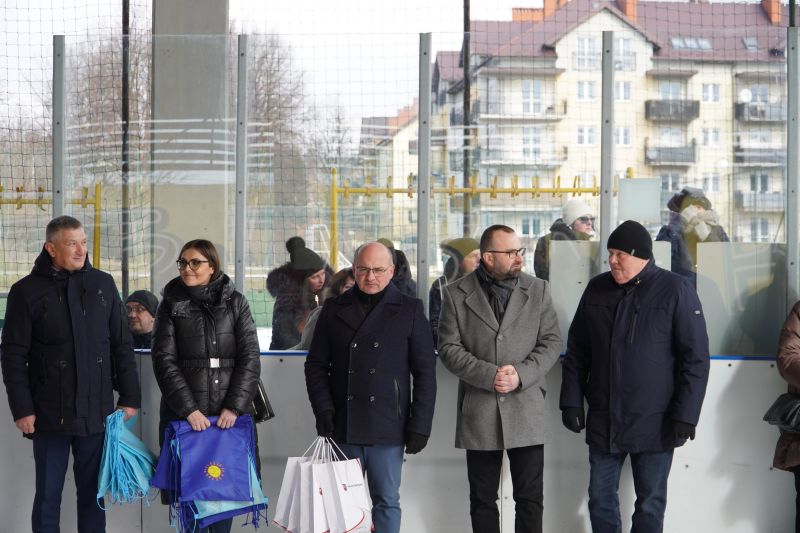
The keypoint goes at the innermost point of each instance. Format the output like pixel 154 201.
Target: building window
pixel 759 230
pixel 531 226
pixel 710 136
pixel 622 136
pixel 531 142
pixel 494 96
pixel 711 92
pixel 586 135
pixel 760 137
pixel 751 44
pixel 622 91
pixel 532 96
pixel 671 136
pixel 586 90
pixel 760 93
pixel 587 56
pixel 624 57
pixel 670 181
pixel 711 182
pixel 670 90
pixel 759 182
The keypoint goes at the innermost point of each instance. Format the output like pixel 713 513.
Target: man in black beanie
pixel 141 308
pixel 637 350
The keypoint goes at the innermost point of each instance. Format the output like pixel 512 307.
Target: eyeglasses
pixel 378 271
pixel 136 309
pixel 511 253
pixel 586 220
pixel 194 264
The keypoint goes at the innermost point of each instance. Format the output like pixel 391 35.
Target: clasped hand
pixel 199 422
pixel 506 379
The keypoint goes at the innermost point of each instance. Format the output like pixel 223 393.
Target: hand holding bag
pixel 785 413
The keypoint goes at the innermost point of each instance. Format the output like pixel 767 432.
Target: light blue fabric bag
pixel 127 465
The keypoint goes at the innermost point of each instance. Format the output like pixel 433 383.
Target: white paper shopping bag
pixel 347 504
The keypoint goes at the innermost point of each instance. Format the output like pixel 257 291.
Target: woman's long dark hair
pixel 207 250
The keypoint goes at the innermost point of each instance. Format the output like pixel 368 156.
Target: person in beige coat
pixel 498 333
pixel 787 451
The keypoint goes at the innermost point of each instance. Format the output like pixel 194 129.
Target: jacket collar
pixel 380 315
pixel 478 303
pixel 647 272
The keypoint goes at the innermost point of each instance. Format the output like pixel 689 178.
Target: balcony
pixel 758 157
pixel 774 202
pixel 537 158
pixel 670 155
pixel 672 110
pixel 761 112
pixel 540 111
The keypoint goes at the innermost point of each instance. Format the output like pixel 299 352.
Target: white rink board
pixel 721 481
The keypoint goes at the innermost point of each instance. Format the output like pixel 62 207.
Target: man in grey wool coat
pixel 498 333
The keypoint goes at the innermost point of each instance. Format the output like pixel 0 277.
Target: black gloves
pixel 682 430
pixel 415 442
pixel 325 424
pixel 573 419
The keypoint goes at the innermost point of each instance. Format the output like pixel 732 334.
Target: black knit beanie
pixel 301 258
pixel 632 238
pixel 146 298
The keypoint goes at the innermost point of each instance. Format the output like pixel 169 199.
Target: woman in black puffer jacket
pixel 205 347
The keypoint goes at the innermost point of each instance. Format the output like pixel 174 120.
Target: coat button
pixel 216 381
pixel 349 397
pixel 375 345
pixel 502 398
pixel 351 371
pixel 213 342
pixel 355 345
pixel 371 370
pixel 372 398
pixel 499 337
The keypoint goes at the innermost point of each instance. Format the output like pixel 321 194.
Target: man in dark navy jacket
pixel 65 345
pixel 638 351
pixel 371 378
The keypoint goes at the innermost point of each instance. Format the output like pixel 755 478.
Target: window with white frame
pixel 759 137
pixel 670 90
pixel 670 181
pixel 624 58
pixel 671 136
pixel 759 230
pixel 711 137
pixel 622 91
pixel 531 226
pixel 532 92
pixel 759 182
pixel 622 136
pixel 586 90
pixel 760 93
pixel 586 135
pixel 587 56
pixel 711 182
pixel 531 142
pixel 710 92
pixel 494 95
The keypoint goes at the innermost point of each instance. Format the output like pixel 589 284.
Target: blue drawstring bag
pixel 210 475
pixel 127 465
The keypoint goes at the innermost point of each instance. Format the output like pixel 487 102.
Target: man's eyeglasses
pixel 194 264
pixel 586 220
pixel 136 309
pixel 378 271
pixel 511 253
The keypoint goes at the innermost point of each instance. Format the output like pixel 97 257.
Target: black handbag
pixel 262 409
pixel 785 413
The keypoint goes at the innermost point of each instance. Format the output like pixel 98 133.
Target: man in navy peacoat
pixel 371 377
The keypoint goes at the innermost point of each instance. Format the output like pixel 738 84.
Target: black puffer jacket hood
pixel 205 349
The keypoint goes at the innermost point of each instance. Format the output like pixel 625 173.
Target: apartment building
pixel 699 100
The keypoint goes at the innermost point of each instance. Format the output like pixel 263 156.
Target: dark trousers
pixel 650 474
pixel 223 526
pixel 483 470
pixel 51 454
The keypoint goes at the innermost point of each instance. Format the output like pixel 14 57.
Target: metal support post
pixel 424 168
pixel 792 169
pixel 240 217
pixel 59 118
pixel 606 148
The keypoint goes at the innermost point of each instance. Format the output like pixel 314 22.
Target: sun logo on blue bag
pixel 214 471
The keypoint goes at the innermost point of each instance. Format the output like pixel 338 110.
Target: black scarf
pixel 498 292
pixel 368 301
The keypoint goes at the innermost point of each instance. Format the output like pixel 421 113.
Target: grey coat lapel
pixel 478 303
pixel 519 297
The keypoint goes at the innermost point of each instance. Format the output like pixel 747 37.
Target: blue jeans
pixel 383 465
pixel 650 474
pixel 51 454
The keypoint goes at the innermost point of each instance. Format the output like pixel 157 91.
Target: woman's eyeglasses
pixel 194 264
